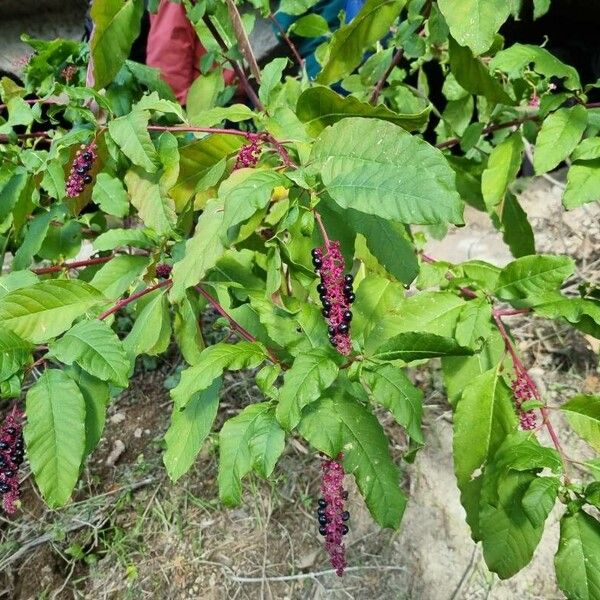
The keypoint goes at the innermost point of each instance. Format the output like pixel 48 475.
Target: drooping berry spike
pixel 249 154
pixel 11 457
pixel 331 514
pixel 521 393
pixel 336 294
pixel 79 175
pixel 163 270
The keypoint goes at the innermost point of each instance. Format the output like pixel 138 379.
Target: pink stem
pixel 322 228
pixel 73 265
pixel 125 301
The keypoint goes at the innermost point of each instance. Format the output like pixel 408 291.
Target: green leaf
pixel 11 191
pixel 296 7
pixel 483 418
pixel 156 210
pixel 378 168
pixel 577 560
pixel 311 25
pixel 318 107
pixel 530 277
pixel 188 430
pixel 14 353
pixel 253 440
pixel 186 328
pixel 116 27
pixel 113 238
pixel 311 374
pixel 540 8
pixel 55 434
pixel 584 314
pixel 115 277
pixel 130 133
pixel 343 425
pixel 411 346
pixel 391 388
pixel 46 309
pixel 516 230
pixel 234 113
pixel 110 195
pixel 95 347
pixel 348 44
pixel 583 414
pixel 270 79
pixel 202 251
pixel 16 280
pixel 583 182
pixel 213 361
pixel 519 58
pixel 560 133
pixel 502 168
pixel 474 23
pixel 587 149
pixel 151 332
pixel 474 322
pixel 34 238
pixel 474 76
pixel 539 499
pixel 203 94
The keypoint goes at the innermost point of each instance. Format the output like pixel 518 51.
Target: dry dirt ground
pixel 131 534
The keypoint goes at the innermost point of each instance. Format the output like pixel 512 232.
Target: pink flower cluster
pixel 336 294
pixel 68 72
pixel 249 154
pixel 163 270
pixel 331 514
pixel 11 457
pixel 80 176
pixel 522 392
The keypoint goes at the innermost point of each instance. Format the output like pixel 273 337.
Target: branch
pixel 322 228
pixel 286 38
pixel 189 129
pixel 73 265
pixel 382 80
pixel 242 39
pixel 234 65
pixel 125 301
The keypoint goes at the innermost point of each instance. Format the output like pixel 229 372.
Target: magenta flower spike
pixel 521 393
pixel 336 293
pixel 79 175
pixel 11 457
pixel 331 514
pixel 248 154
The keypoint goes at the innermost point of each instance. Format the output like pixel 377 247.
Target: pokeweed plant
pixel 300 222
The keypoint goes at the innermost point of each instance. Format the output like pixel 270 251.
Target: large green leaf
pixel 319 106
pixel 519 58
pixel 189 428
pixel 110 195
pixel 502 168
pixel 474 76
pixel 95 347
pixel 151 332
pixel 113 238
pixel 539 499
pixel 130 133
pixel 343 425
pixel 582 313
pixel 16 280
pixel 349 42
pixel 410 345
pixel 14 353
pixel 391 388
pixel 186 328
pixel 378 168
pixel 516 229
pixel 10 191
pixel 46 309
pixel 202 251
pixel 115 277
pixel 577 560
pixel 583 183
pixel 474 23
pixel 213 361
pixel 483 417
pixel 116 27
pixel 560 133
pixel 583 414
pixel 55 434
pixel 531 277
pixel 311 374
pixel 253 440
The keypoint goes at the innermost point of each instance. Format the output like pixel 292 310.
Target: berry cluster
pixel 80 176
pixel 163 270
pixel 11 457
pixel 522 392
pixel 249 154
pixel 336 293
pixel 331 514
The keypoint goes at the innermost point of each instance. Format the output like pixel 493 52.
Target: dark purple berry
pixel 4 445
pixel 348 289
pixel 11 430
pixel 348 278
pixel 322 530
pixel 80 171
pixel 345 515
pixel 351 297
pixel 347 316
pixel 325 313
pixel 343 328
pixel 321 502
pixel 87 179
pixel 317 262
pixel 326 304
pixel 322 519
pixel 331 330
pixel 320 511
pixel 315 252
pixel 4 487
pixel 87 156
pixel 345 529
pixel 345 495
pixel 321 289
pixel 8 473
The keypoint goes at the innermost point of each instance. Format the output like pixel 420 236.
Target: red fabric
pixel 174 49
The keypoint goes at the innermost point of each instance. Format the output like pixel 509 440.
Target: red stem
pixel 185 128
pixel 286 38
pixel 125 301
pixel 73 265
pixel 243 332
pixel 322 228
pixel 379 86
